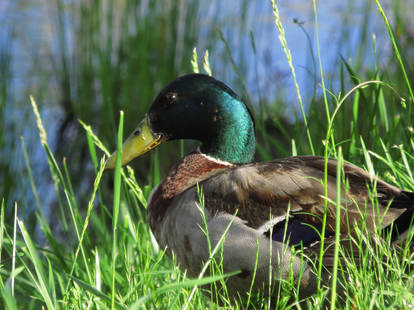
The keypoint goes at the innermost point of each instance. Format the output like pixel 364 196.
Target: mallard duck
pixel 268 208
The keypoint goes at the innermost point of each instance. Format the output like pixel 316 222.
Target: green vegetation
pixel 94 249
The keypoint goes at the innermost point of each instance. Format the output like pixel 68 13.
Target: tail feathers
pixel 410 196
pixel 406 220
pixel 405 200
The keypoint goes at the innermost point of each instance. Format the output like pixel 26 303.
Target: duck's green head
pixel 196 107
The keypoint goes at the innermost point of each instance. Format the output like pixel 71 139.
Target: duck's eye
pixel 170 98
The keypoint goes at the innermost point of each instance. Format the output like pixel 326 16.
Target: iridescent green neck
pixel 233 138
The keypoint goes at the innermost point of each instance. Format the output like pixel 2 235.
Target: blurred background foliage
pixel 89 59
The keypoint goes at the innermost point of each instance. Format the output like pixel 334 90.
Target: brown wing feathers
pixel 263 189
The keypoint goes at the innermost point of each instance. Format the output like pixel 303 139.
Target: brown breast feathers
pixel 194 168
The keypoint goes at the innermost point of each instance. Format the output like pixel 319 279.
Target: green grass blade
pixel 337 228
pixel 282 39
pixel 397 52
pixel 92 150
pixel 97 270
pixel 96 292
pixel 95 138
pixel 325 99
pixel 38 265
pixel 9 300
pixel 133 185
pixel 32 183
pixel 55 172
pixel 52 286
pixel 206 64
pixel 14 248
pixel 88 214
pixel 69 183
pixel 174 286
pixel 117 196
pixel 194 61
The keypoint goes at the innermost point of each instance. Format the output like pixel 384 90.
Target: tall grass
pixel 88 265
pixel 112 56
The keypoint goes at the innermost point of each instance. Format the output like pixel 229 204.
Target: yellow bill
pixel 139 142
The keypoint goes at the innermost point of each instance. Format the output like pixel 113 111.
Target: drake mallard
pixel 253 197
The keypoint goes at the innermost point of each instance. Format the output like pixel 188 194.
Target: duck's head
pixel 196 107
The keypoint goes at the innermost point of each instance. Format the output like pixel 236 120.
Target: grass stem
pixel 117 197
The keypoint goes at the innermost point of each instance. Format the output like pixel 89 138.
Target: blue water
pixel 28 26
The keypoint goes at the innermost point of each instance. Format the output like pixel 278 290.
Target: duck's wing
pixel 262 194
